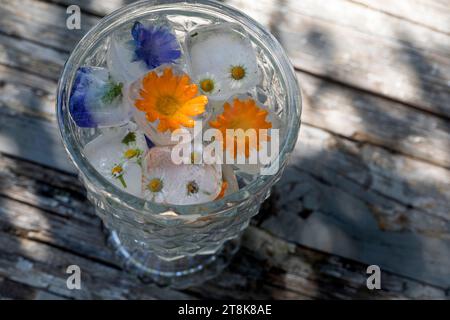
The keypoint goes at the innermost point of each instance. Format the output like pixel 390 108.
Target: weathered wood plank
pixel 33 139
pixel 367 118
pixel 266 267
pixel 354 201
pixel 30 57
pixel 42 22
pixel 40 266
pixel 349 47
pixel 99 8
pixel 430 13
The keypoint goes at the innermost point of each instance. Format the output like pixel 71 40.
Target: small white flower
pixel 208 84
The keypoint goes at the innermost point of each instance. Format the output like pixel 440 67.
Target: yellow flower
pixel 155 185
pixel 117 171
pixel 171 99
pixel 131 153
pixel 243 114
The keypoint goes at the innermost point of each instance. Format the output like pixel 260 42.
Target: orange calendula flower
pixel 242 114
pixel 171 99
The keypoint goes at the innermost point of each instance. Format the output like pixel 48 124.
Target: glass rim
pixel 135 11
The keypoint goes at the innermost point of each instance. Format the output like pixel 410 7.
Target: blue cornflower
pixel 155 45
pixel 77 105
pixel 96 100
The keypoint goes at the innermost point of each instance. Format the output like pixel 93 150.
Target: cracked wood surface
pixel 368 182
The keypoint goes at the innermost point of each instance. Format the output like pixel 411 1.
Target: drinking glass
pixel 174 245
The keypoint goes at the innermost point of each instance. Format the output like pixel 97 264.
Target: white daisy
pixel 208 84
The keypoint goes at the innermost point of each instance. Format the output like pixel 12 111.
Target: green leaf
pixel 129 138
pixel 113 91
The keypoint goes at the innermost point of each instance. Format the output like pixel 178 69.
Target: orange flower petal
pixel 171 99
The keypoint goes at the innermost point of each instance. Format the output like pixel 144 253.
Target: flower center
pixel 237 72
pixel 155 185
pixel 192 187
pixel 131 153
pixel 167 105
pixel 207 85
pixel 117 170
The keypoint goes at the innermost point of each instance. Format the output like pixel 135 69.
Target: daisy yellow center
pixel 207 85
pixel 155 185
pixel 192 187
pixel 131 153
pixel 237 72
pixel 117 170
pixel 167 105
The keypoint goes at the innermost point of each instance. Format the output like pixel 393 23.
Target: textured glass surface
pixel 180 245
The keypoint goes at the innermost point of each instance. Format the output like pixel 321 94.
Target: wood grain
pixel 429 13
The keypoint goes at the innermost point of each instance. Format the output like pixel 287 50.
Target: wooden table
pixel 369 181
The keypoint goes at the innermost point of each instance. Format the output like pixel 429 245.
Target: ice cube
pixel 244 112
pixel 117 154
pixel 133 51
pixel 134 93
pixel 96 99
pixel 180 184
pixel 224 52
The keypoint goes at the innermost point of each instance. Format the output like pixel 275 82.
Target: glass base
pixel 178 273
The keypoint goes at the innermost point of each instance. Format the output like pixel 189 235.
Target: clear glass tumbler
pixel 171 245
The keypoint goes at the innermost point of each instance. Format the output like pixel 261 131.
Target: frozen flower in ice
pixel 117 155
pixel 208 84
pixel 170 99
pixel 133 53
pixel 169 183
pixel 155 45
pixel 225 52
pixel 242 114
pixel 96 99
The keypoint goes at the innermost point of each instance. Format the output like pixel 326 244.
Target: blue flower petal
pixel 77 106
pixel 149 142
pixel 155 45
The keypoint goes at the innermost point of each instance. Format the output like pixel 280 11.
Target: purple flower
pixel 77 105
pixel 155 45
